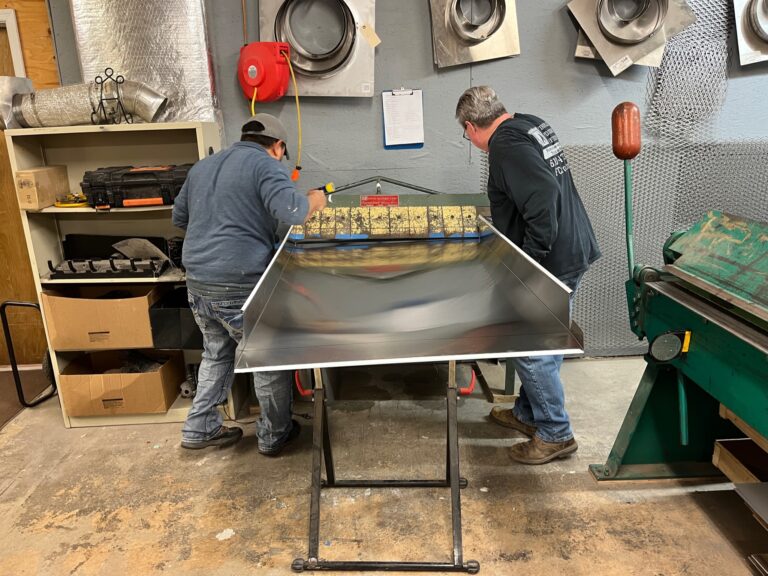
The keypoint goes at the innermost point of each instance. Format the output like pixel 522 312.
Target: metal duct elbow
pixel 79 103
pixel 140 99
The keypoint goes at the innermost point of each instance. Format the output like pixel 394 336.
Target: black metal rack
pixel 100 268
pixel 322 453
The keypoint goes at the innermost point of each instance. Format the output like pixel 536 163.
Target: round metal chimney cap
pixel 475 21
pixel 321 33
pixel 631 21
pixel 758 18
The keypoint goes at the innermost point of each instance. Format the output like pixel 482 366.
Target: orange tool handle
pixel 143 202
pixel 625 125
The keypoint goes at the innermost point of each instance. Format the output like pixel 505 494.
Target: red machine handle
pixel 471 388
pixel 302 391
pixel 625 125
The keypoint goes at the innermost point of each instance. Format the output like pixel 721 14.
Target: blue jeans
pixel 220 319
pixel 541 402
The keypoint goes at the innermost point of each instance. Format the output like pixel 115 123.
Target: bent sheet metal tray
pixel 395 302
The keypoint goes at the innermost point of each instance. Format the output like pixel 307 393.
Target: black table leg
pixel 321 451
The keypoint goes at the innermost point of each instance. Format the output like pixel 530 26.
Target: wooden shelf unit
pixel 82 148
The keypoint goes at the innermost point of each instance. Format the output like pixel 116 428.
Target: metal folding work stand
pixel 392 292
pixel 322 452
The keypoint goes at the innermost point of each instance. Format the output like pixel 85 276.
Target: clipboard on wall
pixel 403 113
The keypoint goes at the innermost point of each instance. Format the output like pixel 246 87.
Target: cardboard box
pixel 173 324
pixel 87 391
pixel 37 188
pixel 112 317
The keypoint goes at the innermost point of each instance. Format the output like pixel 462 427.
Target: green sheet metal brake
pixel 705 316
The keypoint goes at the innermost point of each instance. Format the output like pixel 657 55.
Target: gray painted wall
pixel 343 137
pixel 344 143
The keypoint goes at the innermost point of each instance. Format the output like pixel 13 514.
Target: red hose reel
pixel 262 67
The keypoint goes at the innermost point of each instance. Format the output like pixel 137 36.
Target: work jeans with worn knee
pixel 220 319
pixel 541 401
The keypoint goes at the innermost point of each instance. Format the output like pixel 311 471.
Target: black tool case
pixel 131 186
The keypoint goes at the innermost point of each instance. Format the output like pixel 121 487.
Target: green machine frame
pixel 712 295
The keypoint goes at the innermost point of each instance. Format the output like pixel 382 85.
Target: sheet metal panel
pixel 388 302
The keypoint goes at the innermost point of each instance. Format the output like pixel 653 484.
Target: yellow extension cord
pixel 295 175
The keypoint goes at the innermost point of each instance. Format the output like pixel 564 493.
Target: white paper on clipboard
pixel 403 117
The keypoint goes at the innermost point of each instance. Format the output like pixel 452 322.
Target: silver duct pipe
pixel 74 105
pixel 9 87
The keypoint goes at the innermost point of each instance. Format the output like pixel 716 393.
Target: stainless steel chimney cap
pixel 631 21
pixel 758 18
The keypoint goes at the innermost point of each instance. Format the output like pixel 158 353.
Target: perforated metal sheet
pixel 674 186
pixel 689 87
pixel 681 173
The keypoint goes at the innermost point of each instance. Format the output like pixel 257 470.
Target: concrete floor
pixel 129 500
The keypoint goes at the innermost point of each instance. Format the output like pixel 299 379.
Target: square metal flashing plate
pixel 450 49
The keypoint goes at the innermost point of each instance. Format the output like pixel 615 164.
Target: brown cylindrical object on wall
pixel 625 124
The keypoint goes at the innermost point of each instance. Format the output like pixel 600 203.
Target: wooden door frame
pixel 8 21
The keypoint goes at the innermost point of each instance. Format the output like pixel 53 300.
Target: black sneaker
pixel 223 438
pixel 292 435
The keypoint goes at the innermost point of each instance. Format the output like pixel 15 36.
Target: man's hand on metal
pixel 317 201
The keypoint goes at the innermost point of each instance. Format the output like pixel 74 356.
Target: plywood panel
pixel 6 62
pixel 28 344
pixel 36 41
pixel 16 281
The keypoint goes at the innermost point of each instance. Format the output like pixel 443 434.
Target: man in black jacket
pixel 535 204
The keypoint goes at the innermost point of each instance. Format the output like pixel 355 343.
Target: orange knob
pixel 625 124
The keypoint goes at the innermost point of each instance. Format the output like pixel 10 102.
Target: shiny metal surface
pixel 585 49
pixel 631 21
pixel 466 31
pixel 74 104
pixel 618 56
pixel 11 86
pixel 752 48
pixel 162 43
pixel 391 302
pixel 758 18
pixel 321 34
pixel 330 54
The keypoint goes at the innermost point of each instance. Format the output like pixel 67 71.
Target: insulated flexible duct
pixel 74 105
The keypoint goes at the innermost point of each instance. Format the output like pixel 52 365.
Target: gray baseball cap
pixel 266 125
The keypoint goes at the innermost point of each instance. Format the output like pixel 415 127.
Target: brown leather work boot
pixel 505 417
pixel 537 451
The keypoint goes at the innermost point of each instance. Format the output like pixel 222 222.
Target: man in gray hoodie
pixel 230 207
